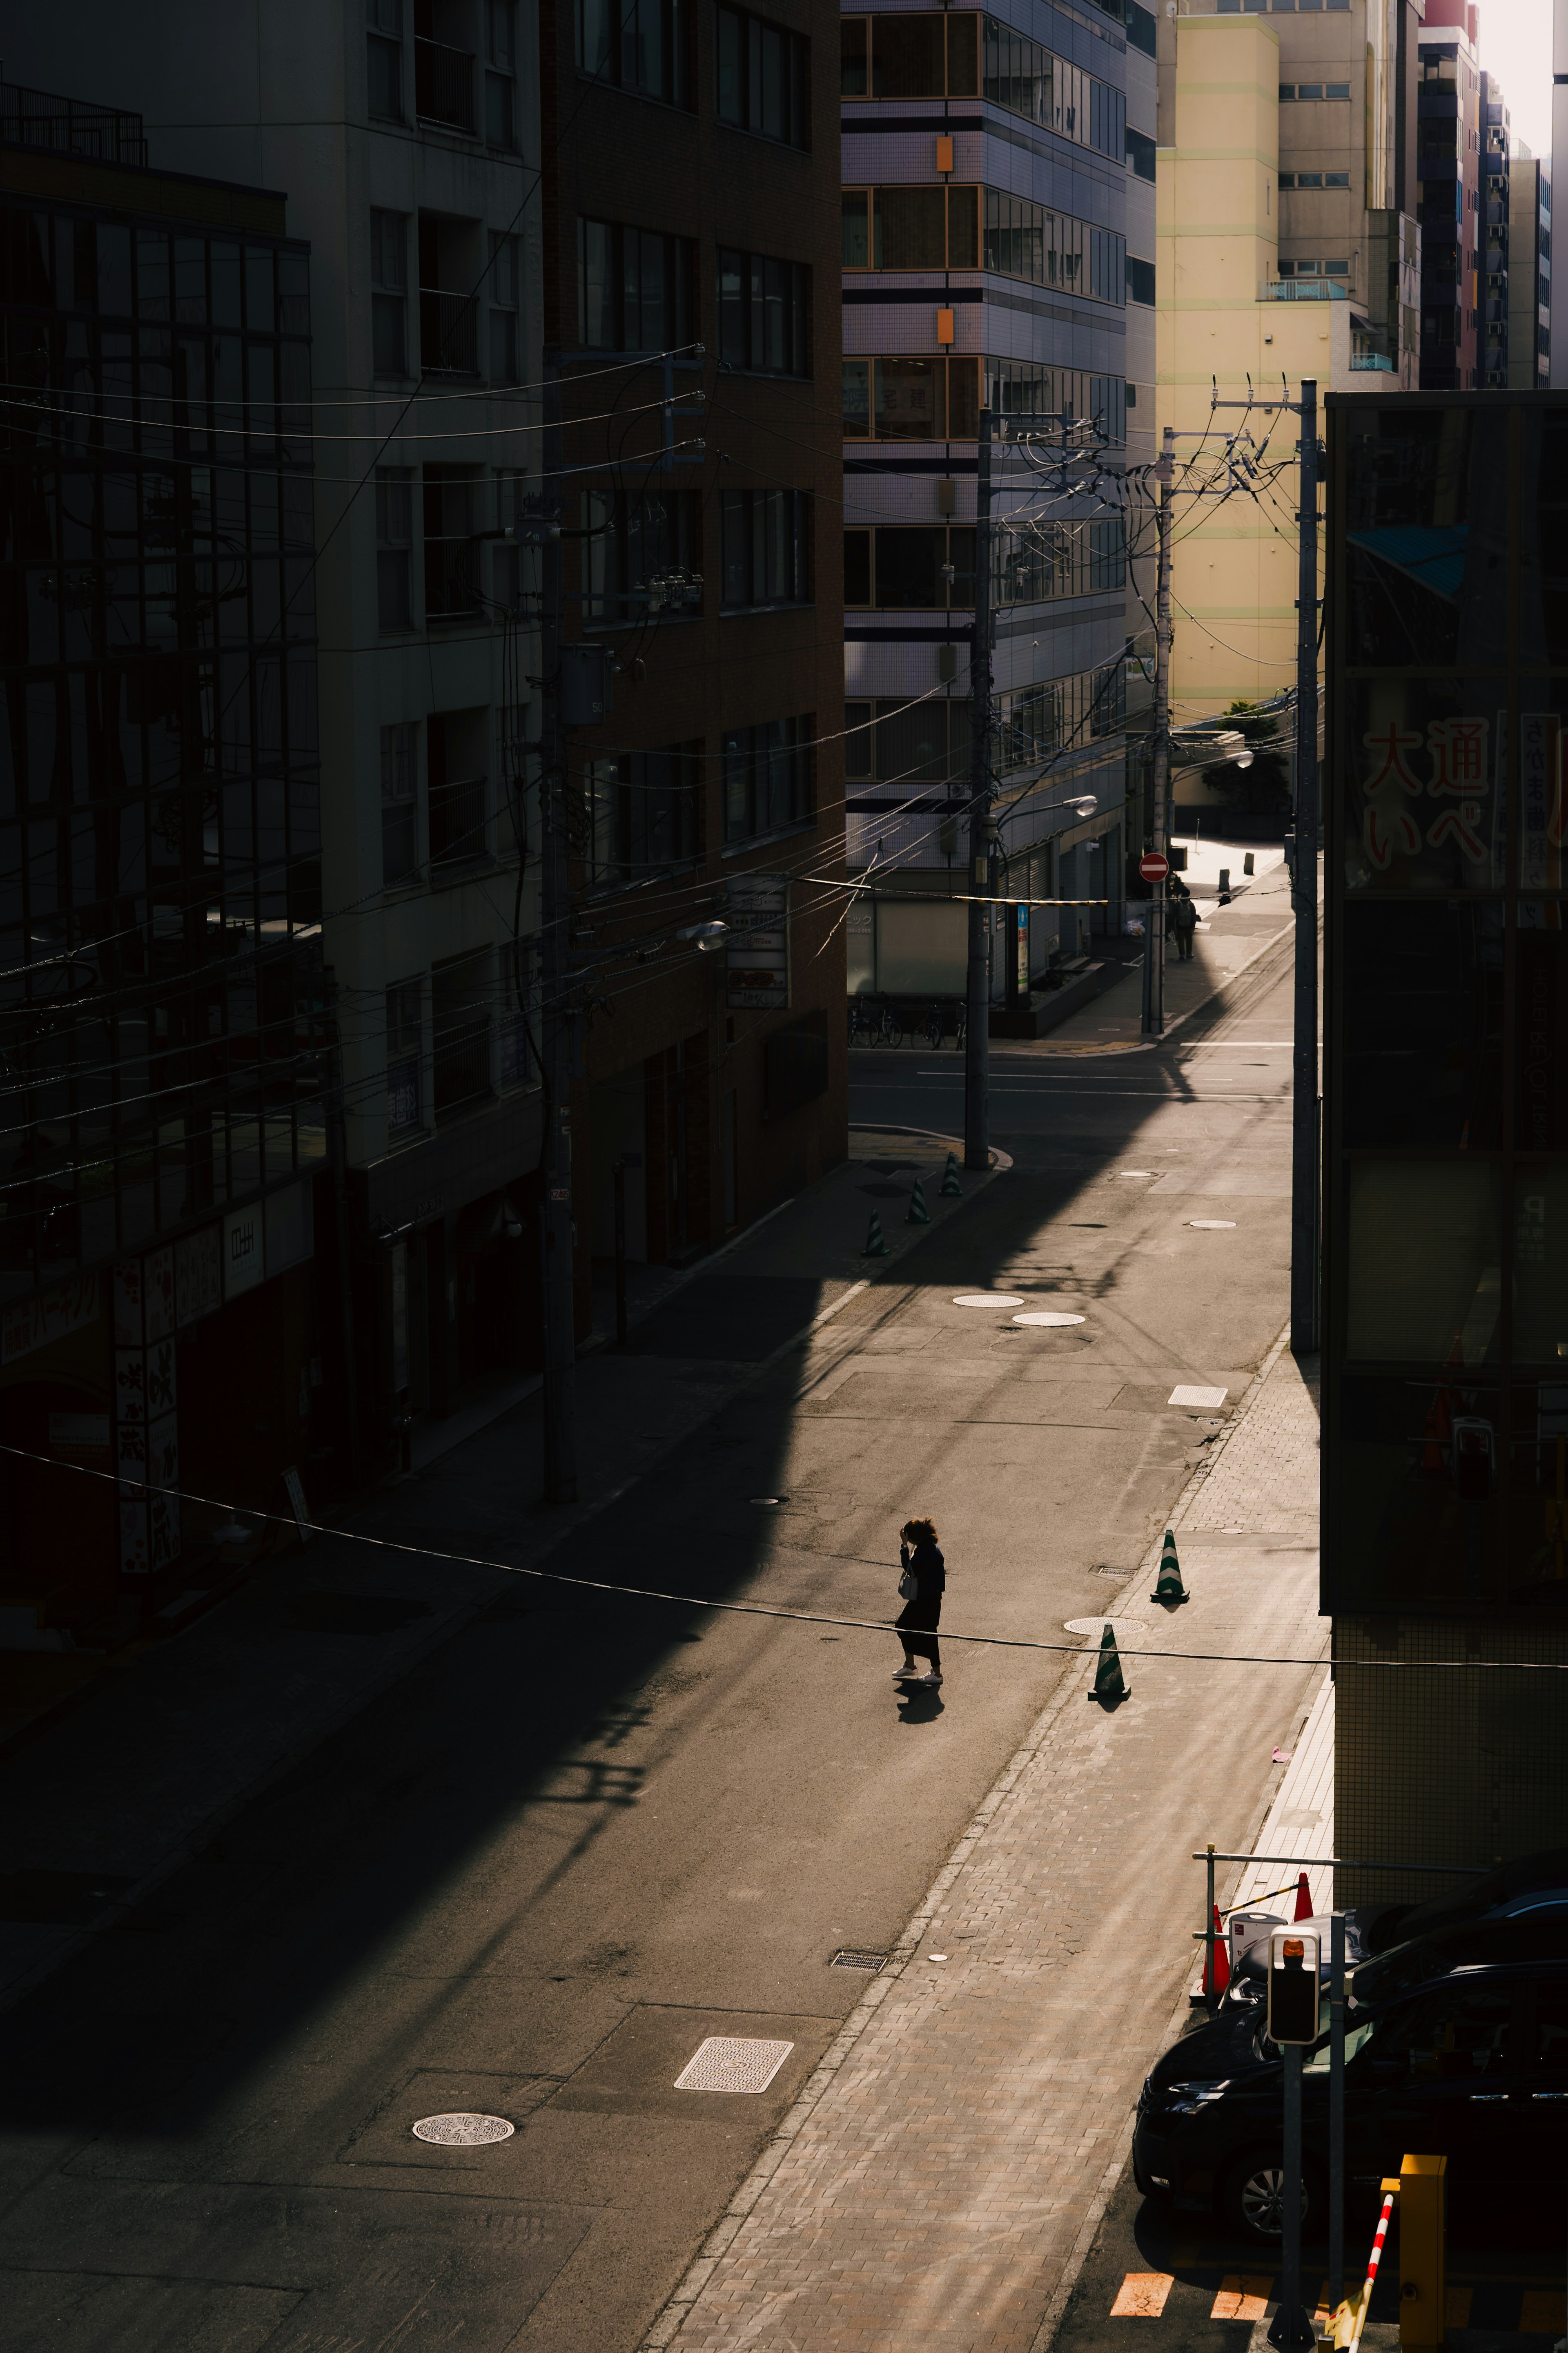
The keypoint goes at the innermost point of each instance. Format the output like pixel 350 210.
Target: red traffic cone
pixel 1221 1972
pixel 1303 1899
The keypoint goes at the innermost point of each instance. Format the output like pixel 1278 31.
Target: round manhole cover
pixel 1049 1316
pixel 1212 1225
pixel 989 1299
pixel 461 2130
pixel 1126 1628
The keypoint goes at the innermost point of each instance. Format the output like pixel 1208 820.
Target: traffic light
pixel 1293 1956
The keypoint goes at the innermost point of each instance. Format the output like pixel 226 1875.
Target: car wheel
pixel 1252 2201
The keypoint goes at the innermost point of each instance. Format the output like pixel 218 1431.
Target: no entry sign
pixel 1154 866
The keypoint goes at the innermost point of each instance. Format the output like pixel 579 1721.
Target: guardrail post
pixel 1209 1995
pixel 1422 2284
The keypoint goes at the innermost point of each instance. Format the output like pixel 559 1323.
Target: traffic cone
pixel 1169 1585
pixel 951 1190
pixel 917 1213
pixel 1108 1682
pixel 875 1239
pixel 1221 1972
pixel 1303 1899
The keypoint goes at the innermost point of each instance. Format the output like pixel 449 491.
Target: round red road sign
pixel 1154 866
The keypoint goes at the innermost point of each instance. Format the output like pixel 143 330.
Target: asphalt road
pixel 586 1833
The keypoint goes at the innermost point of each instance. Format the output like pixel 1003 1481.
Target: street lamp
pixel 705 937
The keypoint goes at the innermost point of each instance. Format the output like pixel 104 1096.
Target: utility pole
pixel 555 1153
pixel 1305 1118
pixel 1153 1023
pixel 977 1034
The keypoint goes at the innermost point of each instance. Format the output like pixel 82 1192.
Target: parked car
pixel 1473 2066
pixel 1378 1926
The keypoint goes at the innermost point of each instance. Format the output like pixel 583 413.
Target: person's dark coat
pixel 1183 914
pixel 930 1572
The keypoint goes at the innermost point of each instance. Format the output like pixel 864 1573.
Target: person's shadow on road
pixel 918 1706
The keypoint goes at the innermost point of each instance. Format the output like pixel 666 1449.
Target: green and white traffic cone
pixel 917 1213
pixel 875 1239
pixel 1168 1586
pixel 1107 1681
pixel 951 1190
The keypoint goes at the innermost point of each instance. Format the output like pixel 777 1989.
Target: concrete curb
pixel 675 2311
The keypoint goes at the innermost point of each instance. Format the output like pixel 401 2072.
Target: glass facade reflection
pixel 159 786
pixel 1446 1110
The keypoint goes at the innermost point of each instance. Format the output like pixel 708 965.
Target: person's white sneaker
pixel 929 1682
pixel 907 1676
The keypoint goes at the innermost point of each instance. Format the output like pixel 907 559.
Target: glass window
pixel 389 292
pixel 501 73
pixel 1456 2035
pixel 451 565
pixel 404 1045
pixel 383 48
pixel 460 1031
pixel 853 52
pixel 641 46
pixel 1422 992
pixel 767 543
pixel 1425 806
pixel 399 803
pixel 767 777
pixel 644 810
pixel 911 399
pixel 394 548
pixel 643 555
pixel 763 79
pixel 506 343
pixel 1425 1262
pixel 635 288
pixel 763 313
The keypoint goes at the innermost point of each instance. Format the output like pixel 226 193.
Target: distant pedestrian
pixel 921 1585
pixel 1184 923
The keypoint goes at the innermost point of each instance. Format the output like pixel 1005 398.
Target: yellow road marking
pixel 1242 2297
pixel 1142 2295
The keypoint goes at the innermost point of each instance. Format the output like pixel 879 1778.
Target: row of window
pixel 478 1039
pixel 457 814
pixel 636 292
pixel 1340 268
pixel 763 71
pixel 445 91
pixel 921 398
pixel 1298 93
pixel 930 566
pixel 646 808
pixel 940 228
pixel 1314 180
pixel 965 56
pixel 448 322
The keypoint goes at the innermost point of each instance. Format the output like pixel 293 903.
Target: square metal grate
pixel 870 1962
pixel 732 2063
pixel 1201 1398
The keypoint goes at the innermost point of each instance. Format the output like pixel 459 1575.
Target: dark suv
pixel 1473 2067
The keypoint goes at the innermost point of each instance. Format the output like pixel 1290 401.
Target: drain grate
pixel 870 1962
pixel 732 2063
pixel 461 2129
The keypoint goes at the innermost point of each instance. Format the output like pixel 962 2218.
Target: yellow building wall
pixel 1234 563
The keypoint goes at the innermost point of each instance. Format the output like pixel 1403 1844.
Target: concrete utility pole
pixel 555 1153
pixel 1153 1023
pixel 1305 1121
pixel 977 1033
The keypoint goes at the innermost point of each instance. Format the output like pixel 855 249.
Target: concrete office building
pixel 1444 1419
pixel 1530 272
pixel 998 246
pixel 1448 165
pixel 163 1195
pixel 1276 133
pixel 408 171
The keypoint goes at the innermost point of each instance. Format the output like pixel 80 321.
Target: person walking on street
pixel 1184 920
pixel 922 1586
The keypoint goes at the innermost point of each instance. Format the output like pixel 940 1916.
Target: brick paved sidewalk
pixel 940 2179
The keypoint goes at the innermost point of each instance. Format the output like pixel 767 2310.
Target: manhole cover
pixel 461 2130
pixel 1049 1316
pixel 870 1962
pixel 1135 1172
pixel 989 1299
pixel 1201 1398
pixel 732 2063
pixel 1212 1225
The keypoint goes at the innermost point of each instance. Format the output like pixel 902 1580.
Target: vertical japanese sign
pixel 758 956
pixel 1541 749
pixel 1453 765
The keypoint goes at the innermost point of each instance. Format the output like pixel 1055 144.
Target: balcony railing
pixel 448 333
pixel 1303 289
pixel 1373 361
pixel 457 820
pixel 34 118
pixel 443 84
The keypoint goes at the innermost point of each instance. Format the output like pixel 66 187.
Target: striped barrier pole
pixel 1350 2318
